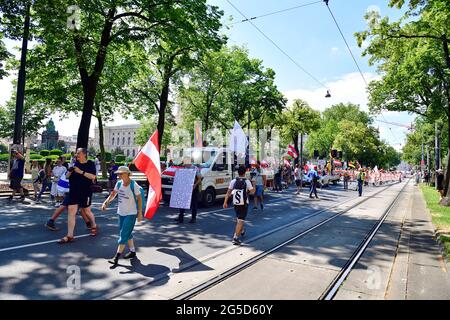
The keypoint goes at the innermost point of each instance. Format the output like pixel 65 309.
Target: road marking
pixel 86 235
pixel 38 243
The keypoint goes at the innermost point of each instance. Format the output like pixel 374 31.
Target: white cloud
pixel 375 8
pixel 348 88
pixel 334 50
pixel 351 88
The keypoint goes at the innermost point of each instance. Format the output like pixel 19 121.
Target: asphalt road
pixel 34 266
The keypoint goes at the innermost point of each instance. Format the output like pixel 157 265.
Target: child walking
pixel 130 208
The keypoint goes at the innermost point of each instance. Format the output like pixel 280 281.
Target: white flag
pixel 238 140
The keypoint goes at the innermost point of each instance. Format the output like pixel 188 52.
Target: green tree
pixel 81 54
pixel 299 119
pixel 413 59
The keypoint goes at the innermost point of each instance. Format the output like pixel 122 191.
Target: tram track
pixel 206 285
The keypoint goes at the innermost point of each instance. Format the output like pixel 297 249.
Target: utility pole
pixel 437 161
pixel 247 151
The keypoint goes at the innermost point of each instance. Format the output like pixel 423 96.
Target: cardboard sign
pixel 182 189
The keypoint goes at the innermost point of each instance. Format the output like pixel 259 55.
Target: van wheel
pixel 209 197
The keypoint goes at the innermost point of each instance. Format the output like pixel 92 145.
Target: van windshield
pixel 202 158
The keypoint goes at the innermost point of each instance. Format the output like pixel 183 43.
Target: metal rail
pixel 223 276
pixel 333 288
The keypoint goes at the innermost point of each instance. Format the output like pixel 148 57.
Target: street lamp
pixel 328 95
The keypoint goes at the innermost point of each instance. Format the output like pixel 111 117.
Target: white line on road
pixel 38 243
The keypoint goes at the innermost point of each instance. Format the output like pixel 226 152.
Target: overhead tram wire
pixel 351 53
pixel 278 47
pixel 277 12
pixel 345 40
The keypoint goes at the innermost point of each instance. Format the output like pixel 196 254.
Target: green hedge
pixel 56 152
pixel 4 157
pixel 120 158
pixel 36 157
pixel 33 152
pixel 52 157
pixel 44 153
pixel 120 163
pixel 68 156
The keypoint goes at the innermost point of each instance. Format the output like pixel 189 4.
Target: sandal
pixel 94 231
pixel 66 239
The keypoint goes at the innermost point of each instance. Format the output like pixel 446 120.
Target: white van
pixel 216 170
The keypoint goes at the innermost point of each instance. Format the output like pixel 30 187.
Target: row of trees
pixel 142 57
pixel 413 59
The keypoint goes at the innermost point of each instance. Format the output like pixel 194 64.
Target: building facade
pixel 122 137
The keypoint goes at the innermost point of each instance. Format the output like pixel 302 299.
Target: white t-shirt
pixel 127 204
pixel 297 173
pixel 58 172
pixel 247 182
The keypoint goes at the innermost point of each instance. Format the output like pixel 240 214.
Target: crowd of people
pixel 71 188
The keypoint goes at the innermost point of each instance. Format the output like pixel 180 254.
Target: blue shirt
pixel 112 175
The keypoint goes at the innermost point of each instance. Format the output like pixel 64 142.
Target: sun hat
pixel 123 169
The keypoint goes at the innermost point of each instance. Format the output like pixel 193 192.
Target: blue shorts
pixel 259 191
pixel 126 225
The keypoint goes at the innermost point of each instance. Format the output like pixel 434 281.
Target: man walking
pixel 346 179
pixel 16 175
pixel 361 177
pixel 239 188
pixel 259 182
pixel 196 188
pixel 298 173
pixel 314 177
pixel 81 177
pixel 112 179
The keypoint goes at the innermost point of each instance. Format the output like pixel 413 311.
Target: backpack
pixel 144 202
pixel 240 192
pixel 41 176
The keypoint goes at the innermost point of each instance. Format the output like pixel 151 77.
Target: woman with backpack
pixel 130 208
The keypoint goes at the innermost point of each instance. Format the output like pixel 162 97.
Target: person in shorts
pixel 239 189
pixel 63 189
pixel 259 182
pixel 81 177
pixel 16 175
pixel 298 177
pixel 129 209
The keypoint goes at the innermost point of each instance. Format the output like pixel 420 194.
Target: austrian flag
pixel 148 162
pixel 292 152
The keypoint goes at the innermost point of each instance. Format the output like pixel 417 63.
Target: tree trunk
pixel 90 82
pixel 85 123
pixel 98 115
pixel 447 90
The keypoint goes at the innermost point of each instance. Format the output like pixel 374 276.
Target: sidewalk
pixel 403 261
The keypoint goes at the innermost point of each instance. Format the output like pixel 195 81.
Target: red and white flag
pixel 292 152
pixel 148 162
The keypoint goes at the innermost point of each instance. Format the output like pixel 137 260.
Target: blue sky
pixel 311 38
